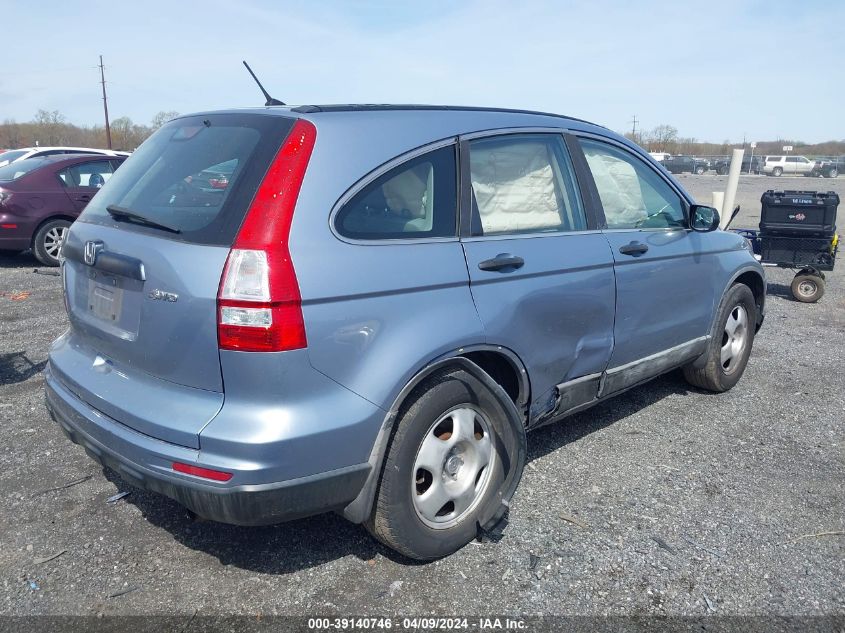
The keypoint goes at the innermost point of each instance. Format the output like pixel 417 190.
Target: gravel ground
pixel 663 501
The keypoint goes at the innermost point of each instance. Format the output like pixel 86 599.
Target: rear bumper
pixel 18 238
pixel 146 463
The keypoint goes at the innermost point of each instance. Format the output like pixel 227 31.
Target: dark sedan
pixel 41 197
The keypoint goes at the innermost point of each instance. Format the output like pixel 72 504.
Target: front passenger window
pixel 632 194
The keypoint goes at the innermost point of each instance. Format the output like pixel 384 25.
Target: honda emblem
pixel 91 250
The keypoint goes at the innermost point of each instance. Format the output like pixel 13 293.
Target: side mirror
pixel 703 219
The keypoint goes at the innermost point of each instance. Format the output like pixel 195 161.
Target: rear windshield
pixel 13 171
pixel 196 174
pixel 8 157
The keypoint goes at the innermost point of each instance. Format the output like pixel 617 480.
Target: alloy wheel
pixel 53 240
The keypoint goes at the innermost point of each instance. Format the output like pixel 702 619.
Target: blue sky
pixel 716 70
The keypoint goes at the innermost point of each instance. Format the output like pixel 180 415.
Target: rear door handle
pixel 504 262
pixel 634 248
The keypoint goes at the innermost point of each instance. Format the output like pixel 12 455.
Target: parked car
pixel 826 168
pixel 660 156
pixel 41 197
pixel 789 165
pixel 681 164
pixel 750 165
pixel 40 152
pixel 350 326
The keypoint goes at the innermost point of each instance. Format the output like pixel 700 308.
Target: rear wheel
pixel 48 240
pixel 722 171
pixel 833 173
pixel 730 342
pixel 445 468
pixel 777 171
pixel 807 287
pixel 699 170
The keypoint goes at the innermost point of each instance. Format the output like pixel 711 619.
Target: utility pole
pixel 634 129
pixel 105 101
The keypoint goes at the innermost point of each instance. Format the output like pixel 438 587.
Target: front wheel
pixel 699 170
pixel 446 468
pixel 730 342
pixel 777 171
pixel 48 240
pixel 807 287
pixel 833 173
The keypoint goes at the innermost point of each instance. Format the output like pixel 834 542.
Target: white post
pixel 718 199
pixel 730 189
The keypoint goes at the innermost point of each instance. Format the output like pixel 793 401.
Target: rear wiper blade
pixel 122 213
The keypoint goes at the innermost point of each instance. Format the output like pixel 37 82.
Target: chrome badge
pixel 161 295
pixel 91 251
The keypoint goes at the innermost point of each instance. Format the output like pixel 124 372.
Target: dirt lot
pixel 666 500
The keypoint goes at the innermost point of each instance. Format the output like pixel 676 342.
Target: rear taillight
pixel 259 308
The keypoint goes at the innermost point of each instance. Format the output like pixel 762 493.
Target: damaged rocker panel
pixel 583 392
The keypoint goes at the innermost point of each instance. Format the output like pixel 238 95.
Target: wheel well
pixel 44 221
pixel 756 284
pixel 502 370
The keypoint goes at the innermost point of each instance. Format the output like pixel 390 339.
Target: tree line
pixel 665 138
pixel 50 128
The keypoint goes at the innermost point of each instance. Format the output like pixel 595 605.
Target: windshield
pixel 195 174
pixel 13 171
pixel 8 157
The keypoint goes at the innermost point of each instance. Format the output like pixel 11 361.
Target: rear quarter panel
pixel 375 313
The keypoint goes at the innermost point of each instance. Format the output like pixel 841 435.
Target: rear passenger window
pixel 632 194
pixel 94 174
pixel 523 184
pixel 417 199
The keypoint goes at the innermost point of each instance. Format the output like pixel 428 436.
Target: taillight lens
pixel 258 304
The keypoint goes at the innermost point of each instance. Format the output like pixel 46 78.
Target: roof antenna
pixel 270 100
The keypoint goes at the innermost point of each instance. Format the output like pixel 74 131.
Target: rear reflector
pixel 198 471
pixel 259 305
pixel 9 226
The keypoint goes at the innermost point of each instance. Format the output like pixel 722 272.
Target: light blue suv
pixel 282 311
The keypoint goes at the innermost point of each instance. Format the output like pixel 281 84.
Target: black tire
pixel 699 170
pixel 395 520
pixel 807 288
pixel 44 243
pixel 777 171
pixel 722 171
pixel 714 376
pixel 833 173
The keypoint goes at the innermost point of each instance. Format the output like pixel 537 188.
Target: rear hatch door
pixel 142 269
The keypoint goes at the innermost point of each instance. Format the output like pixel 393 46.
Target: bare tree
pixel 162 117
pixel 10 134
pixel 663 138
pixel 49 127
